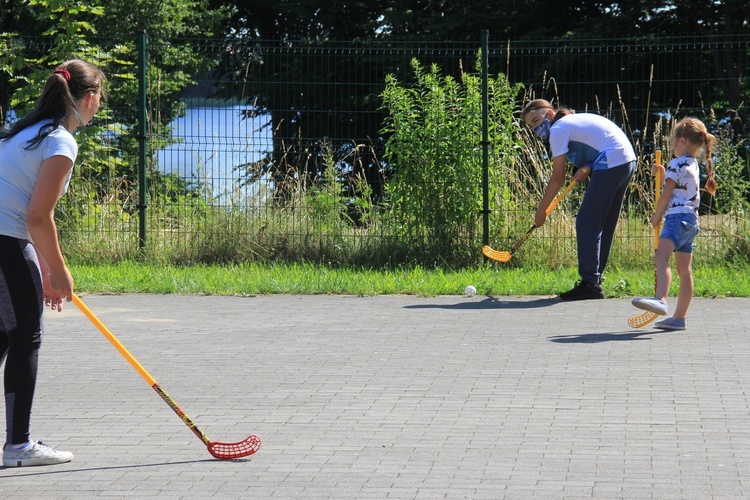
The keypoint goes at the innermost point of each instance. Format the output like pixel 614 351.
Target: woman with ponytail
pixel 585 140
pixel 36 161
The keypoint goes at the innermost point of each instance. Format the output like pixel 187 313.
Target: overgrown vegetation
pixel 427 213
pixel 434 197
pixel 430 214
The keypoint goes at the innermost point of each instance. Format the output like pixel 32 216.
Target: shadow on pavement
pixel 59 470
pixel 491 303
pixel 593 338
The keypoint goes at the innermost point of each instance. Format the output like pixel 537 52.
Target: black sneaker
pixel 584 291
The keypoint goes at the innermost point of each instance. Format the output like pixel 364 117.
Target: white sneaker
pixel 35 454
pixel 651 304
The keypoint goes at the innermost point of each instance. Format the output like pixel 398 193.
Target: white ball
pixel 470 291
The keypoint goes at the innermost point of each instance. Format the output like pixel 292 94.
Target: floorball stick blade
pixel 500 256
pixel 229 451
pixel 496 255
pixel 642 320
pixel 224 451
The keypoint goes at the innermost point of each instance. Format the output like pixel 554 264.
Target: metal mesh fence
pixel 277 150
pixel 644 85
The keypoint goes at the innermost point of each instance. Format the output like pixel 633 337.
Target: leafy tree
pixel 71 28
pixel 463 21
pixel 304 111
pixel 68 24
pixel 290 85
pixel 13 13
pixel 64 31
pixel 66 28
pixel 174 58
pixel 25 65
pixel 303 19
pixel 724 17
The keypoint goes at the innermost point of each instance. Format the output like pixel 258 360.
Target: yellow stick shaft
pixel 562 195
pixel 657 228
pixel 105 331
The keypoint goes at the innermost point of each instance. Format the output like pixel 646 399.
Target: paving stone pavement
pixel 393 397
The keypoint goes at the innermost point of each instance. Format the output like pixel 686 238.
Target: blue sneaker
pixel 671 323
pixel 651 304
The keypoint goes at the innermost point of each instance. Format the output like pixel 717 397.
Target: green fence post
pixel 142 141
pixel 485 141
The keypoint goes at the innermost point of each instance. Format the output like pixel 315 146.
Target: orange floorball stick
pixel 217 449
pixel 647 317
pixel 503 256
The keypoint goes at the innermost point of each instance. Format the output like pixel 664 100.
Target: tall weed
pixel 434 197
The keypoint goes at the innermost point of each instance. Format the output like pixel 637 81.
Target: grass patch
pixel 260 279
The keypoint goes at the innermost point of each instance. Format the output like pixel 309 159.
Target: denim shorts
pixel 681 229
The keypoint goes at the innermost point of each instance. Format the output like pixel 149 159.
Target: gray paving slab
pixel 394 397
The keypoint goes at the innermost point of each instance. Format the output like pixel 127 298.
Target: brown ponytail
pixel 68 82
pixel 695 132
pixel 708 141
pixel 561 112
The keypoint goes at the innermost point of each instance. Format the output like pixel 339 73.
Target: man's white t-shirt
pixel 590 140
pixel 19 168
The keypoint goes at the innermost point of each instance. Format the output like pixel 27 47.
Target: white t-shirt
pixel 590 140
pixel 19 168
pixel 685 197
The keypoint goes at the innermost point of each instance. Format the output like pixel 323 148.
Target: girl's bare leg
pixel 663 271
pixel 684 263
